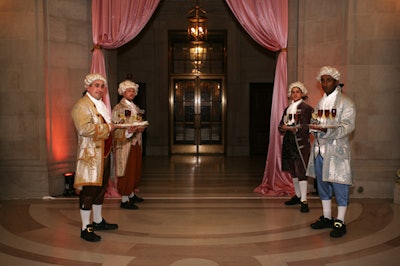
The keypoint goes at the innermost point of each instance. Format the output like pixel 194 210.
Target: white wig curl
pixel 330 71
pixel 124 85
pixel 90 78
pixel 299 85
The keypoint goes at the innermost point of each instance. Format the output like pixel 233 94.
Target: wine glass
pixel 314 118
pixel 127 114
pixel 320 112
pixel 297 117
pixel 333 113
pixel 290 119
pixel 327 113
pixel 285 119
pixel 139 115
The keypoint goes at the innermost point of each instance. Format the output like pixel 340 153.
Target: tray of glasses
pixel 293 126
pixel 324 126
pixel 134 124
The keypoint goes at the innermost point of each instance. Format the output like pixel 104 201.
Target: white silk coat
pixel 336 144
pixel 92 132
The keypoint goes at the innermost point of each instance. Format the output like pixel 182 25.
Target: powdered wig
pixel 90 78
pixel 127 84
pixel 299 85
pixel 330 71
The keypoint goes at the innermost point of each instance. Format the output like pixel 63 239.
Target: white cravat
pixel 101 108
pixel 131 105
pixel 292 109
pixel 328 101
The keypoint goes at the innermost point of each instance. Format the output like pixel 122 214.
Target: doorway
pixel 260 115
pixel 197 115
pixel 197 73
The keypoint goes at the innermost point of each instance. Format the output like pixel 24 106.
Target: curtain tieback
pixel 96 46
pixel 283 50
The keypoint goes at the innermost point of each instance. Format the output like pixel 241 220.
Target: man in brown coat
pixel 296 142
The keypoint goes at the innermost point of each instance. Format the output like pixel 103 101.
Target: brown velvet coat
pixel 296 146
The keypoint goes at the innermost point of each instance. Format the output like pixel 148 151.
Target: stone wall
pixel 45 54
pixel 23 141
pixel 67 33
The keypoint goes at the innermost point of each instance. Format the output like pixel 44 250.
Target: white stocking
pixel 85 217
pixel 341 213
pixel 327 208
pixel 303 189
pixel 296 187
pixel 97 217
pixel 125 198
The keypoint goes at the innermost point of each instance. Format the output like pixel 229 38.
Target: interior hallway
pixel 199 211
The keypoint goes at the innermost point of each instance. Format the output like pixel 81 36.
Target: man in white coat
pixel 330 153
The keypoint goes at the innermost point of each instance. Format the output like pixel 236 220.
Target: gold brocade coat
pixel 92 132
pixel 121 144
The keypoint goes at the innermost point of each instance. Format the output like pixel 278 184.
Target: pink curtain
pixel 114 23
pixel 266 21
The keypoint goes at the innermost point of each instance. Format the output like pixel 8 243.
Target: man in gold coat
pixel 93 124
pixel 128 145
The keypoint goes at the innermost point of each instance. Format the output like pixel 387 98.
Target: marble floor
pixel 199 211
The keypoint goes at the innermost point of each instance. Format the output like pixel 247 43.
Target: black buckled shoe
pixel 129 205
pixel 104 226
pixel 89 235
pixel 136 199
pixel 304 207
pixel 339 229
pixel 293 201
pixel 322 223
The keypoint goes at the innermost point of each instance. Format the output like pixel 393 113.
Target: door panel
pixel 197 111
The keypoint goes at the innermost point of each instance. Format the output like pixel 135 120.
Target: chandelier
pixel 197 24
pixel 198 54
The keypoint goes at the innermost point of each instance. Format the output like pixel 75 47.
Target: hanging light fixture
pixel 198 54
pixel 197 24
